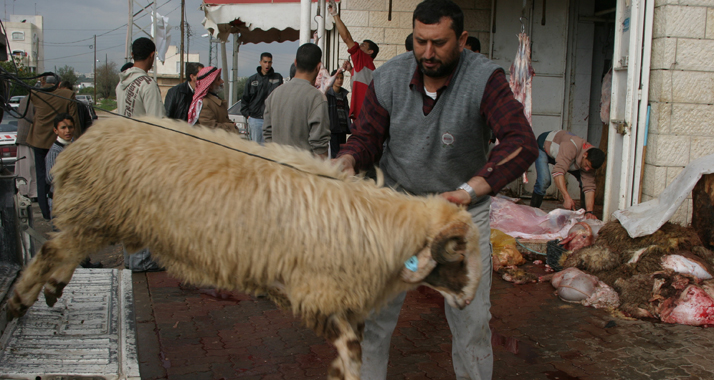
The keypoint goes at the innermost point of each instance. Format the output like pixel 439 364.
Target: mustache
pixel 430 60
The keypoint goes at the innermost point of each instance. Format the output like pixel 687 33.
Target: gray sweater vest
pixel 440 151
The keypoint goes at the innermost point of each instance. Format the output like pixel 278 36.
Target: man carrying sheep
pixel 428 115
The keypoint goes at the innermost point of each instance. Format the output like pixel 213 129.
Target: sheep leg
pixel 346 340
pixel 53 266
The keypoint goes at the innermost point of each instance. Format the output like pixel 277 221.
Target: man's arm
pixel 319 135
pixel 568 202
pixel 517 149
pixel 152 101
pixel 590 205
pixel 169 102
pixel 341 28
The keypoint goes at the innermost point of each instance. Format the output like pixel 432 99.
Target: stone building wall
pixel 681 94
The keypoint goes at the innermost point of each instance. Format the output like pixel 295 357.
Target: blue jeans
pixel 256 130
pixel 543 171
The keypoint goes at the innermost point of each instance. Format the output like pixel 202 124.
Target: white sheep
pixel 220 211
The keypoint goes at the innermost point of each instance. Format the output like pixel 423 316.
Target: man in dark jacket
pixel 257 89
pixel 178 98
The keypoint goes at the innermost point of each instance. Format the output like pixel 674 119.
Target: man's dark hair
pixel 192 68
pixel 62 116
pixel 127 66
pixel 596 157
pixel 308 57
pixel 142 48
pixel 409 42
pixel 67 85
pixel 373 47
pixel 266 54
pixel 431 11
pixel 474 43
pixel 293 69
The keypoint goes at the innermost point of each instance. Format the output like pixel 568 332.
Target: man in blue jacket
pixel 257 89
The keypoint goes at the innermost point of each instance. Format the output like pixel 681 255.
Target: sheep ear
pixel 450 244
pixel 424 267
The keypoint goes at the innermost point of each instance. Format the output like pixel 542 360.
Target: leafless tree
pixel 107 79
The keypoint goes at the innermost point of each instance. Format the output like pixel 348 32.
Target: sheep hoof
pixel 15 308
pixel 51 296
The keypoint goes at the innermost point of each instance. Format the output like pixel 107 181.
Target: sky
pixel 70 25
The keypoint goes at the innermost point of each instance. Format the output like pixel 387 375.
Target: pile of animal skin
pixel 667 275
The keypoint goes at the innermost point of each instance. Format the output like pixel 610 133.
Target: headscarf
pixel 205 79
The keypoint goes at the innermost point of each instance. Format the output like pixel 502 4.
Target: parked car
pixel 8 149
pixel 236 117
pixel 14 102
pixel 86 99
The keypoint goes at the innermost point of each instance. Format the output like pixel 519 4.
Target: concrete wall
pixel 681 94
pixel 367 20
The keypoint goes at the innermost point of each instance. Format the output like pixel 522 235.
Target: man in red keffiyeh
pixel 207 109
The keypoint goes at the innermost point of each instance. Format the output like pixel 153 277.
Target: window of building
pixel 18 36
pixel 178 67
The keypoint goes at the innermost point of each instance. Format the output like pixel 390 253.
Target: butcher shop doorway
pixel 571 53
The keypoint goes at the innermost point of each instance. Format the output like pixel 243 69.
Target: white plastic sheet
pixel 646 218
pixel 163 36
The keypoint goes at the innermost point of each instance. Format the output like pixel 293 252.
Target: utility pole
pixel 129 30
pixel 210 49
pixel 95 67
pixel 183 10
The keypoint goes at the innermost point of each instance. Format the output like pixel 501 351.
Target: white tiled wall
pixel 681 94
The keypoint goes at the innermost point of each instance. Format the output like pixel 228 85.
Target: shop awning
pixel 257 20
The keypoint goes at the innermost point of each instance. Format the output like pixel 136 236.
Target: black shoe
pixel 536 200
pixel 87 263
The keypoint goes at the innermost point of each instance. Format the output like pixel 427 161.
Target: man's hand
pixel 568 203
pixel 346 163
pixel 347 65
pixel 459 197
pixel 590 215
pixel 332 8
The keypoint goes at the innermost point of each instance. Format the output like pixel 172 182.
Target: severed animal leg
pixel 349 348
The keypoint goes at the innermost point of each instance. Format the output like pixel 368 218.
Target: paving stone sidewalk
pixel 190 333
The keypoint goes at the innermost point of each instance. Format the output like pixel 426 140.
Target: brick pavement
pixel 190 333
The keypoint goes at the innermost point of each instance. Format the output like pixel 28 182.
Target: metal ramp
pixel 90 333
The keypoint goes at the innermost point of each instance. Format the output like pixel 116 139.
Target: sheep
pixel 220 211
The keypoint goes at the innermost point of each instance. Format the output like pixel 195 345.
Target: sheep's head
pixel 451 264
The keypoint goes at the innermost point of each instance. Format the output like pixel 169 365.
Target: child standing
pixel 64 129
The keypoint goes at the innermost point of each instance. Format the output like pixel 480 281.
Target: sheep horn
pixel 450 244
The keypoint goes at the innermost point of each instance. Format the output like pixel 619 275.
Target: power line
pixel 76 55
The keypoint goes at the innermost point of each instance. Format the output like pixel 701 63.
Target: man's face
pixel 193 77
pixel 217 85
pixel 364 46
pixel 587 165
pixel 65 130
pixel 265 64
pixel 436 47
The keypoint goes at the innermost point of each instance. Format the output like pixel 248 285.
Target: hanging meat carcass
pixel 521 78
pixel 522 74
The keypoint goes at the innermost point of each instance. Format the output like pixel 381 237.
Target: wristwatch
pixel 469 189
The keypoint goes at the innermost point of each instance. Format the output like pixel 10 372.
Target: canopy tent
pixel 258 20
pixel 255 21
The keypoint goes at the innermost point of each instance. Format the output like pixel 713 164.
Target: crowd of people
pixel 424 117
